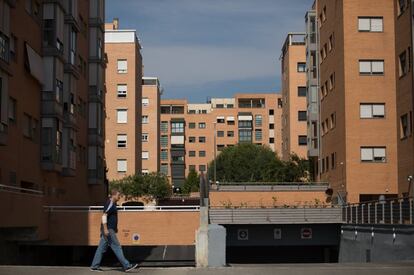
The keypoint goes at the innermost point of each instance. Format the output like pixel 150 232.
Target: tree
pixel 154 186
pixel 257 163
pixel 192 182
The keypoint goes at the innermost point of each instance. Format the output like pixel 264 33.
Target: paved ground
pixel 282 269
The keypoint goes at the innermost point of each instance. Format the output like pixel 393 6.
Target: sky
pixel 211 48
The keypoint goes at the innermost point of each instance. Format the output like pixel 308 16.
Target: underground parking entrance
pixel 293 243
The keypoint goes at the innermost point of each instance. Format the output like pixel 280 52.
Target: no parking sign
pixel 136 238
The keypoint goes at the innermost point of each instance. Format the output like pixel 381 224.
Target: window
pixel 271 126
pixel 191 125
pixel 145 155
pixel 59 90
pixel 333 160
pixel 372 110
pixel 191 167
pixel 370 24
pixel 202 139
pixel 164 154
pixel 302 140
pixel 271 140
pixel 220 133
pixel 144 137
pixel 122 90
pixel 258 134
pixel 220 120
pixel 245 135
pixel 202 153
pixel 219 106
pixel 230 133
pixel 403 67
pixel 201 125
pixel 191 153
pixel 331 43
pixel 405 127
pixel 164 169
pixel 402 6
pixel 73 37
pixel 12 110
pixel 373 154
pixel 258 120
pixel 177 127
pixel 121 141
pixel 122 66
pixel 121 165
pixel 271 112
pixel 144 171
pixel 164 141
pixel 332 81
pixel 301 67
pixel 371 67
pixel 191 139
pixel 302 116
pixel 164 126
pixel 145 101
pixel 230 106
pixel 122 115
pixel 4 47
pixel 333 120
pixel 202 168
pixel 145 119
pixel 301 91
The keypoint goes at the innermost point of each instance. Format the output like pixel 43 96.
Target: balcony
pixel 251 103
pixel 51 104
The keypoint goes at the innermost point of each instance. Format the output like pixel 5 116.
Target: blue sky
pixel 202 48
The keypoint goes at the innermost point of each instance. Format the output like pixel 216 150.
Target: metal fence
pixel 180 208
pixel 391 211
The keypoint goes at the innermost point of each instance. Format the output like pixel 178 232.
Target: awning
pixel 220 117
pixel 35 64
pixel 230 118
pixel 245 117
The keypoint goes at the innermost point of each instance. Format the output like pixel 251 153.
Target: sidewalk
pixel 282 269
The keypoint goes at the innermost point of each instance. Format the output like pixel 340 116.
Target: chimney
pixel 115 23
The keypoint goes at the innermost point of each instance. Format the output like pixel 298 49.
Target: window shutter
pixel 363 24
pixel 122 116
pixel 122 65
pixel 365 111
pixel 364 66
pixel 367 154
pixel 379 152
pixel 378 110
pixel 122 165
pixel 376 25
pixel 378 66
pixel 145 155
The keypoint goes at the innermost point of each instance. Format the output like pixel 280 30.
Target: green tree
pixel 192 182
pixel 257 163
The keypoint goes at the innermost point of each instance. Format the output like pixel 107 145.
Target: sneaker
pixel 131 267
pixel 96 269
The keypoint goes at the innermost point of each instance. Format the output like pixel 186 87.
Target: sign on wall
pixel 277 233
pixel 136 238
pixel 306 233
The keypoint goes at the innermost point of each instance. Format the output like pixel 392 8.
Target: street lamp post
pixel 215 154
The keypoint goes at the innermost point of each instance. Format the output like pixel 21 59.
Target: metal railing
pixel 269 186
pixel 176 208
pixel 19 190
pixel 390 211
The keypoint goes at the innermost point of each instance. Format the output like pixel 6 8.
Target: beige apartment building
pixel 151 114
pixel 365 99
pixel 52 93
pixel 192 134
pixel 294 111
pixel 124 101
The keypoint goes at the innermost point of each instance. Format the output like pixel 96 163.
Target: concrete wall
pixel 382 247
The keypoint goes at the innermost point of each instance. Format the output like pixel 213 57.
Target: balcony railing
pixel 14 189
pixel 391 211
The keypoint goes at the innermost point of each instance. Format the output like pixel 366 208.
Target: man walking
pixel 109 228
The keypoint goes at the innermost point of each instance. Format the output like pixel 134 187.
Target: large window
pixel 121 141
pixel 121 165
pixel 122 115
pixel 258 134
pixel 371 67
pixel 301 67
pixel 164 154
pixel 245 135
pixel 164 127
pixel 258 120
pixel 177 127
pixel 372 110
pixel 302 116
pixel 122 90
pixel 373 154
pixel 164 141
pixel 370 24
pixel 122 65
pixel 301 91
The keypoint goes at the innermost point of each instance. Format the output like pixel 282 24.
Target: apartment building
pixel 193 134
pixel 151 113
pixel 123 148
pixel 404 74
pixel 294 111
pixel 52 93
pixel 356 76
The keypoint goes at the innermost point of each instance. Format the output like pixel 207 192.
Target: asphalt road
pixel 280 269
